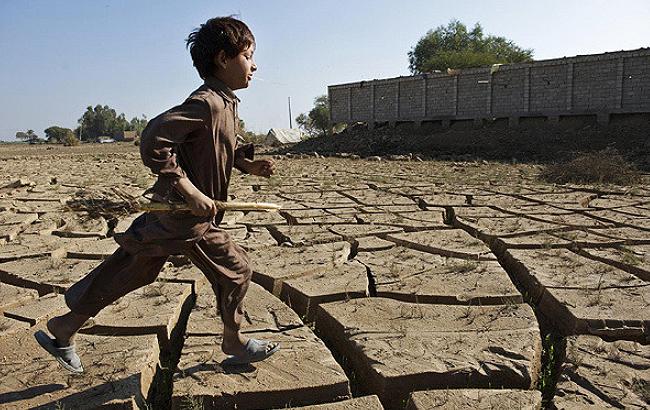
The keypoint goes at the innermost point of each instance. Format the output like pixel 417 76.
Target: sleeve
pixel 243 150
pixel 168 130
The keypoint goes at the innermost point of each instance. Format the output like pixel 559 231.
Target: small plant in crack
pixel 628 257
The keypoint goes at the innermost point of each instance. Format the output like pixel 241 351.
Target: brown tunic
pixel 197 140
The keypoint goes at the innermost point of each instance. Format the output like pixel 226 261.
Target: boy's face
pixel 238 71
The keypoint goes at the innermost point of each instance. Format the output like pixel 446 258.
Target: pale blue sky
pixel 59 56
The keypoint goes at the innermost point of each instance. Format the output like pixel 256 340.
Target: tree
pixel 100 121
pixel 56 134
pixel 137 124
pixel 317 121
pixel 250 136
pixel 453 46
pixel 70 139
pixel 29 136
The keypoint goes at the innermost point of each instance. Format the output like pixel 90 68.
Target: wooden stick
pixel 221 205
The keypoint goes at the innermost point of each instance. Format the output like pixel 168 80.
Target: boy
pixel 192 148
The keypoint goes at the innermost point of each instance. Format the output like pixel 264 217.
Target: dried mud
pixel 389 284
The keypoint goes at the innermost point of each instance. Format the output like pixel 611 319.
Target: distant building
pixel 128 136
pixel 279 136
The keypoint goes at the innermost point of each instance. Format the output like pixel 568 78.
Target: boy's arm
pixel 169 129
pixel 244 154
pixel 157 144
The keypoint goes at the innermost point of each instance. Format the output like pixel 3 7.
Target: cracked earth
pixel 389 284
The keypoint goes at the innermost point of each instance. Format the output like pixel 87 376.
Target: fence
pixel 598 84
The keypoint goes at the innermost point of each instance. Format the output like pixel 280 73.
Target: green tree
pixel 70 139
pixel 56 134
pixel 100 121
pixel 137 124
pixel 29 136
pixel 317 121
pixel 454 46
pixel 250 136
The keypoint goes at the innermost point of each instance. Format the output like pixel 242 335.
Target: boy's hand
pixel 199 203
pixel 260 167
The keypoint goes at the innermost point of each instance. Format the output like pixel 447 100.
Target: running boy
pixel 192 148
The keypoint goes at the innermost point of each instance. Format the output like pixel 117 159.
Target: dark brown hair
pixel 216 34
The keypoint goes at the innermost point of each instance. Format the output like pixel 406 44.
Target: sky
pixel 60 56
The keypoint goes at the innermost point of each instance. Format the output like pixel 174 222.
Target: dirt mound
pixel 532 140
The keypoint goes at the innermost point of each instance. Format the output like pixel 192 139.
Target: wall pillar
pixel 527 89
pixel 489 95
pixel 569 84
pixel 350 104
pixel 372 104
pixel 397 104
pixel 455 95
pixel 425 93
pixel 620 67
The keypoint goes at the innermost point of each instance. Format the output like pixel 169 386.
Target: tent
pixel 278 136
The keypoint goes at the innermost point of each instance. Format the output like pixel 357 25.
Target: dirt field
pixel 389 284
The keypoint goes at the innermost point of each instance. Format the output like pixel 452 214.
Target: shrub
pixel 600 167
pixel 70 140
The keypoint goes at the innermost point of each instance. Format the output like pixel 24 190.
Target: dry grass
pixel 600 167
pixel 107 203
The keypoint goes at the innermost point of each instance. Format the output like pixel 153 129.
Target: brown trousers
pixel 223 262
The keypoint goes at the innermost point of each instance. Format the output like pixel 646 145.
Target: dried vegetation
pixel 607 166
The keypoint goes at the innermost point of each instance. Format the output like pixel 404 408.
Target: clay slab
pixel 396 347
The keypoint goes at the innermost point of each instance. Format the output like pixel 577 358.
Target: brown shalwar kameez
pixel 197 140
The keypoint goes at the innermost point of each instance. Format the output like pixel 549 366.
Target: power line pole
pixel 290 124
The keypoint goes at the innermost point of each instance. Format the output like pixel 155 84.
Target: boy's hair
pixel 219 33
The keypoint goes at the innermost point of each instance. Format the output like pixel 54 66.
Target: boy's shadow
pixel 30 392
pixel 215 368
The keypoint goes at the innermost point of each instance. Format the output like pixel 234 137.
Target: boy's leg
pixel 226 266
pixel 118 275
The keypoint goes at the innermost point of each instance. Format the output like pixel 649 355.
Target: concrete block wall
pixel 386 97
pixel 360 102
pixel 411 98
pixel 548 88
pixel 473 88
pixel 339 100
pixel 508 91
pixel 635 92
pixel 599 84
pixel 441 96
pixel 594 85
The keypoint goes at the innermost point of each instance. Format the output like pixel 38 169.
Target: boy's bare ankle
pixel 233 341
pixel 65 327
pixel 56 329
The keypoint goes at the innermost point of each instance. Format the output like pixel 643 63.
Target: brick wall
pixel 548 88
pixel 473 88
pixel 339 99
pixel 441 96
pixel 360 102
pixel 636 83
pixel 411 98
pixel 508 91
pixel 593 84
pixel 386 100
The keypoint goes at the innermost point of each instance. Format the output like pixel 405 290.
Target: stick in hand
pixel 221 206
